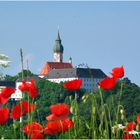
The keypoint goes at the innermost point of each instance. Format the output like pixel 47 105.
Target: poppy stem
pixel 75 96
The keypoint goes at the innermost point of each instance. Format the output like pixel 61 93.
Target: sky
pixel 101 34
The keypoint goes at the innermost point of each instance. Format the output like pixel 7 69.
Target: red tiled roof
pixel 54 65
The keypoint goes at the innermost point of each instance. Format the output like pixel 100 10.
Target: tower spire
pixel 58 36
pixel 58 49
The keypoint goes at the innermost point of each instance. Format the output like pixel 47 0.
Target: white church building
pixel 59 71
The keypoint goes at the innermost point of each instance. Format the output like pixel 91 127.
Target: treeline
pixel 52 93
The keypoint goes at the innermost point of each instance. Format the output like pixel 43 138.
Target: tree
pixel 3 64
pixel 27 73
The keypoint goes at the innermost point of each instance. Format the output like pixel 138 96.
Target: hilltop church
pixel 58 70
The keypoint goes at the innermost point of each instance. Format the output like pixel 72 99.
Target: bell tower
pixel 58 50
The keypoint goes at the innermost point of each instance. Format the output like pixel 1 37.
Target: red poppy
pixel 6 94
pixel 51 127
pixel 73 85
pixel 34 130
pixel 33 90
pixel 128 136
pixel 107 83
pixel 25 86
pixel 130 126
pixel 59 111
pixel 4 113
pixel 118 72
pixel 29 87
pixel 58 126
pixel 36 135
pixel 22 109
pixel 138 119
pixel 69 123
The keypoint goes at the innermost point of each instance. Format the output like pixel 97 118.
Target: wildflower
pixel 118 72
pixel 34 130
pixel 73 85
pixel 107 83
pixel 6 94
pixel 36 135
pixel 29 87
pixel 58 126
pixel 59 111
pixel 138 119
pixel 128 136
pixel 134 132
pixel 25 86
pixel 4 113
pixel 22 109
pixel 130 126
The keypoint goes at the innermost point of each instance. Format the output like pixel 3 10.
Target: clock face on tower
pixel 57 57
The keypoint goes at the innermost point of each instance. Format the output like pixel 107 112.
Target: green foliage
pixel 93 114
pixel 129 99
pixel 27 73
pixel 10 78
pixel 51 93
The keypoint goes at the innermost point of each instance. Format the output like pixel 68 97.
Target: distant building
pixel 58 70
pixel 90 77
pixel 10 84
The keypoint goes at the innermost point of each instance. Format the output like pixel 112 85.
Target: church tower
pixel 58 50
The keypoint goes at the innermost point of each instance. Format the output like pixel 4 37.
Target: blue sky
pixel 102 34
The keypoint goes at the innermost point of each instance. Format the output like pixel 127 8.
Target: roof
pixel 75 72
pixel 61 73
pixel 11 84
pixel 54 65
pixel 87 72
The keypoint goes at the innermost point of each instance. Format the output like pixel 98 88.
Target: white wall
pixel 89 84
pixel 58 80
pixel 18 94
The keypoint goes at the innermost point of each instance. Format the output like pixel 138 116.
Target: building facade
pixel 90 77
pixel 59 71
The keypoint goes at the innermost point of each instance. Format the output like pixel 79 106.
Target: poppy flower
pixel 59 111
pixel 130 126
pixel 29 87
pixel 22 109
pixel 33 90
pixel 69 123
pixel 73 85
pixel 25 86
pixel 128 136
pixel 6 94
pixel 51 127
pixel 58 126
pixel 36 135
pixel 4 113
pixel 118 72
pixel 34 130
pixel 107 83
pixel 138 119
